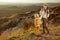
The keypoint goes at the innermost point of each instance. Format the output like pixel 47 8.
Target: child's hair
pixel 36 15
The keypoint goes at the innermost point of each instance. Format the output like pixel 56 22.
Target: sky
pixel 29 1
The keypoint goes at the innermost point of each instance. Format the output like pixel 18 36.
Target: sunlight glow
pixel 29 1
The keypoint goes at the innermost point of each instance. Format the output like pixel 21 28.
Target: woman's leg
pixel 45 29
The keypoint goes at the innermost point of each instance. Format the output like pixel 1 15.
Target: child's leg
pixel 37 30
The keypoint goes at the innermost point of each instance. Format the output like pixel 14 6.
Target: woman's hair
pixel 45 5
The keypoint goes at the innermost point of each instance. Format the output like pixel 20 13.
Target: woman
pixel 44 15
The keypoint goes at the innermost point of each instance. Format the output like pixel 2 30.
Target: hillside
pixel 16 27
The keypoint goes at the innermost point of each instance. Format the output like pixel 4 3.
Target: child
pixel 37 23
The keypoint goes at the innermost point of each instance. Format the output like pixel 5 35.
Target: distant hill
pixel 21 8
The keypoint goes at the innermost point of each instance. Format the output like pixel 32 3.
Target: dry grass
pixel 21 34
